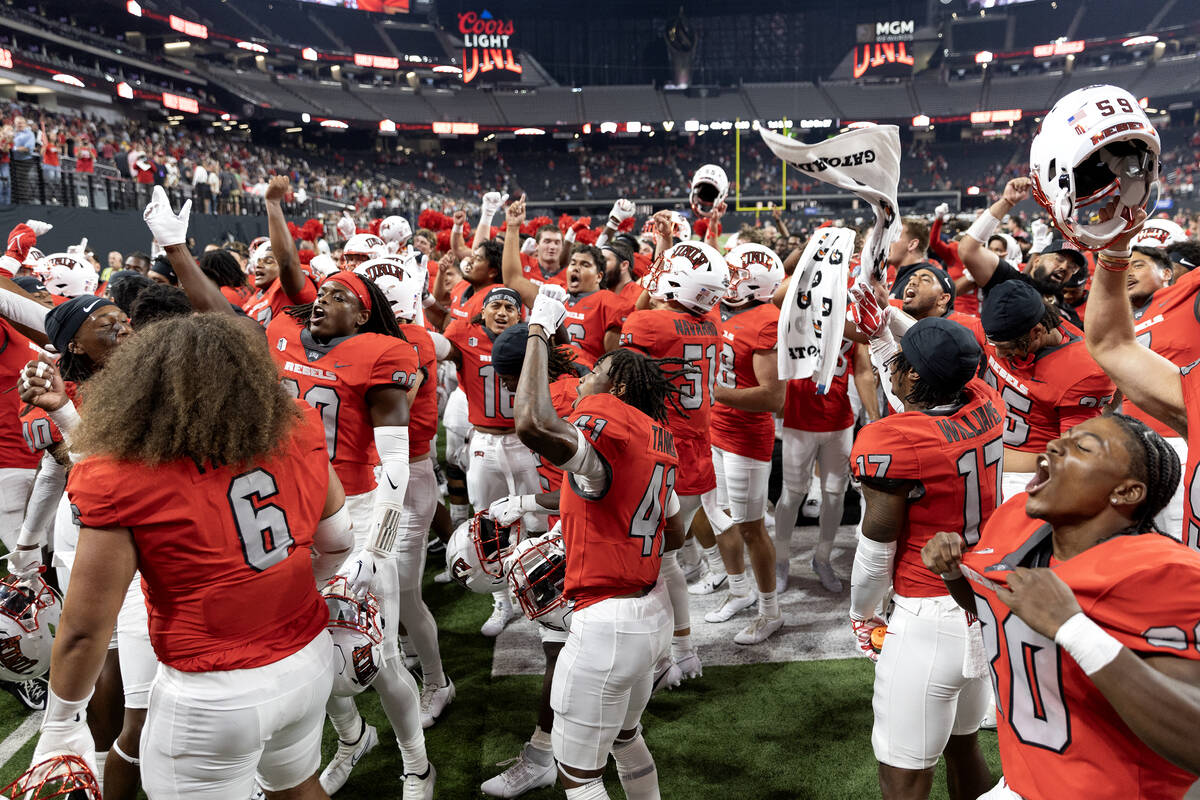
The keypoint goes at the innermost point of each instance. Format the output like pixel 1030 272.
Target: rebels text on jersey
pixel 489 404
pixel 334 378
pixel 744 333
pixel 589 317
pixel 1059 736
pixel 1169 324
pixel 1048 393
pixel 223 551
pixel 614 540
pixel 954 464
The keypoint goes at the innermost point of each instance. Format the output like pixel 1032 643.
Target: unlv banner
pixel 487 48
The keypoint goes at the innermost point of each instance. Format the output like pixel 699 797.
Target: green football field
pixel 765 731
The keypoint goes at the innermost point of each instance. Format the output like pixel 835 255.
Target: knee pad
pixel 455 473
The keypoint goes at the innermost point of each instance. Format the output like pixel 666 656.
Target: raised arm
pixel 864 381
pixel 972 248
pixel 510 265
pixel 538 424
pixel 291 277
pixel 457 244
pixel 768 395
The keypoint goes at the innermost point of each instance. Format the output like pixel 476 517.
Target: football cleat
pixel 524 775
pixel 502 614
pixel 419 787
pixel 434 700
pixel 708 583
pixel 667 675
pixel 690 665
pixel 334 776
pixel 30 693
pixel 733 605
pixel 759 629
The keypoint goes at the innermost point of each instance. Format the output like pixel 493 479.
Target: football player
pixel 917 470
pixel 747 396
pixel 618 271
pixel 278 277
pixel 683 292
pixel 1038 362
pixel 345 356
pixel 499 464
pixel 544 266
pixel 197 549
pixel 621 616
pixel 594 315
pixel 1089 618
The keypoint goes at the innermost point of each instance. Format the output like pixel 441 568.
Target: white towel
pixel 813 315
pixel 865 161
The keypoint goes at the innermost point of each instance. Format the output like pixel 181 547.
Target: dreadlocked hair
pixel 222 268
pixel 560 361
pixel 76 367
pixel 152 405
pixel 650 383
pixel 1153 462
pixel 381 320
pixel 923 393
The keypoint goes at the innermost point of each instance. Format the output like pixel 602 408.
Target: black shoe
pixel 435 547
pixel 30 693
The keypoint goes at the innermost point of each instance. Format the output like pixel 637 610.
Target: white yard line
pixel 17 739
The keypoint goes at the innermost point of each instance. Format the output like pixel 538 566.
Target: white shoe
pixel 690 665
pixel 782 570
pixel 523 776
pixel 759 629
pixel 733 604
pixel 829 581
pixel 443 576
pixel 690 571
pixel 989 718
pixel 434 700
pixel 417 787
pixel 667 675
pixel 811 508
pixel 708 583
pixel 334 776
pixel 258 793
pixel 502 614
pixel 412 661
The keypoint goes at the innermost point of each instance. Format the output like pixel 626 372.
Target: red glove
pixel 863 628
pixel 20 240
pixel 868 316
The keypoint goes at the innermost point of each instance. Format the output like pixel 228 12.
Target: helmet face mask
pixel 357 632
pixel 493 542
pixel 755 271
pixel 60 777
pixel 536 574
pixel 462 559
pixel 710 186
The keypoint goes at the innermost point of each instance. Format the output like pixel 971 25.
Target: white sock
pixel 768 604
pixel 541 749
pixel 347 723
pixel 832 504
pixel 501 599
pixel 412 752
pixel 459 513
pixel 712 556
pixel 681 646
pixel 690 552
pixel 589 791
pixel 636 769
pixel 101 757
pixel 738 584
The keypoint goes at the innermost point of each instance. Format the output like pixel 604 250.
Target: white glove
pixel 508 510
pixel 548 309
pixel 25 563
pixel 490 204
pixel 345 226
pixel 38 227
pixel 78 249
pixel 863 628
pixel 529 246
pixel 65 731
pixel 167 227
pixel 323 247
pixel 943 211
pixel 359 572
pixel 1042 235
pixel 621 211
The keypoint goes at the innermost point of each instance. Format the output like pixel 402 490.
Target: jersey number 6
pixel 262 527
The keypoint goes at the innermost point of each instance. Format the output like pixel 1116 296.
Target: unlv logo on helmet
pixel 694 255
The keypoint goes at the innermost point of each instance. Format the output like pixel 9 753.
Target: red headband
pixel 354 283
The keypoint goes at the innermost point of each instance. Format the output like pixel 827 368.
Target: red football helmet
pixel 63 776
pixel 493 542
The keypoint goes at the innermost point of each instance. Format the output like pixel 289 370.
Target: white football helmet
pixel 683 228
pixel 29 614
pixel 400 280
pixel 463 561
pixel 58 777
pixel 755 272
pixel 1159 233
pixel 1095 143
pixel 710 185
pixel 493 542
pixel 395 230
pixel 693 274
pixel 362 247
pixel 67 275
pixel 323 264
pixel 357 632
pixel 35 255
pixel 537 569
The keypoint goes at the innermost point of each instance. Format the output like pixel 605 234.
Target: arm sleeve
pixel 441 346
pixel 22 310
pixel 43 501
pixel 331 543
pixel 589 469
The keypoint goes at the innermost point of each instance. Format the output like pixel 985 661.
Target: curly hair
pixel 222 268
pixel 124 286
pixel 1153 462
pixel 379 320
pixel 158 302
pixel 650 383
pixel 165 394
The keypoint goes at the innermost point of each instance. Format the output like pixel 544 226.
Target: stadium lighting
pixel 226 116
pixel 608 127
pixel 921 121
pixel 587 127
pixel 306 117
pixel 387 126
pixel 1138 40
pixel 467 128
pixel 972 190
pixel 984 57
pixel 742 124
pixel 7 62
pixel 529 132
pixel 1144 102
pixel 1058 49
pixel 124 90
pixel 293 130
pixel 691 125
pixel 177 103
pixel 187 27
pixel 633 127
pixel 376 62
pixel 334 123
pixel 668 125
pixel 176 45
pixel 253 47
pixel 69 80
pixel 309 54
pixel 1004 115
pixel 133 8
pixel 447 68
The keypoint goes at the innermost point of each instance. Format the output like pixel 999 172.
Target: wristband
pixel 1117 254
pixel 983 227
pixel 459 228
pixel 66 418
pixel 59 710
pixel 1112 266
pixel 545 337
pixel 1088 644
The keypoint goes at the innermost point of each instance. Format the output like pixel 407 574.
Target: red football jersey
pixel 1049 393
pixel 805 410
pixel 466 301
pixel 334 379
pixel 533 271
pixel 15 352
pixel 1190 377
pixel 224 552
pixel 614 541
pixel 423 414
pixel 563 393
pixel 238 295
pixel 1059 736
pixel 630 293
pixel 589 317
pixel 744 333
pixel 38 429
pixel 1169 325
pixel 489 404
pixel 267 304
pixel 956 462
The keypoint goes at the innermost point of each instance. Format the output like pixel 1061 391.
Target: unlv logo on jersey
pixel 281 345
pixel 12 658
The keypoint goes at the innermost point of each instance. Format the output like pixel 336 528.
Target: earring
pixel 1113 500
